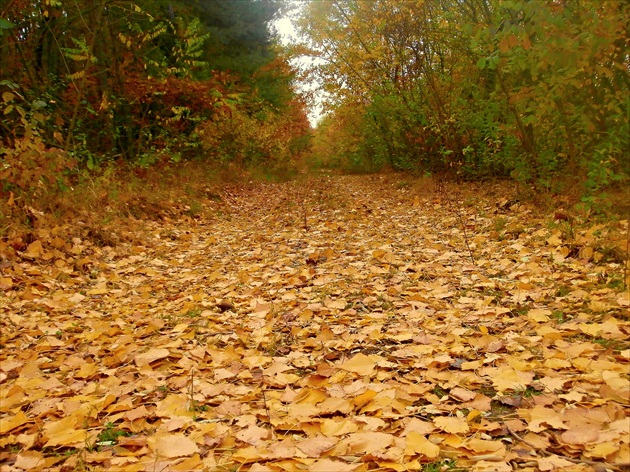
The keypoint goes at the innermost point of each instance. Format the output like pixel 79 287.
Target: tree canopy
pixel 145 80
pixel 478 87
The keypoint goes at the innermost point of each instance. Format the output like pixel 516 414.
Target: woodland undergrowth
pixel 345 323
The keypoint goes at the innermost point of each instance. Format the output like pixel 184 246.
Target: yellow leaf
pixel 191 463
pixel 65 432
pixel 338 427
pixel 87 370
pixel 150 356
pixel 326 465
pixel 471 365
pixel 7 424
pixel 253 435
pixel 34 250
pixel 462 394
pixel 482 446
pixel 6 283
pixel 541 418
pixel 364 398
pixel 581 435
pixel 590 329
pixel 451 424
pixel 29 460
pixel 506 378
pixel 246 455
pixel 310 396
pixel 359 364
pixel 602 450
pixel 172 445
pixel 554 240
pixel 539 315
pixel 314 447
pixel 472 415
pixel 173 405
pixel 362 443
pixel 415 443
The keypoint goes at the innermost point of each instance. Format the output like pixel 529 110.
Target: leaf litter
pixel 339 324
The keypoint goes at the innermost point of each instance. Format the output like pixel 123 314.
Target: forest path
pixel 338 323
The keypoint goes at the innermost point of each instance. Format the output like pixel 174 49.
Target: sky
pixel 287 31
pixel 288 34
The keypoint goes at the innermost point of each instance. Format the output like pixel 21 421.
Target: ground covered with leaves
pixel 336 324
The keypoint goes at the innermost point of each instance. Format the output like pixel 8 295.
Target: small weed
pixel 386 305
pixel 520 311
pixel 613 344
pixel 487 390
pixel 562 291
pixel 514 231
pixel 194 208
pixel 558 316
pixel 528 392
pixel 110 435
pixel 439 391
pixel 440 466
pixel 194 313
pixel 197 407
pixel 470 202
pixel 615 284
pixel 499 224
pixel 499 410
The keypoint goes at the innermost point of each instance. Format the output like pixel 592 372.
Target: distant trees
pixel 478 87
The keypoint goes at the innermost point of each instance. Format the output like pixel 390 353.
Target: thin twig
pixel 626 275
pixel 455 208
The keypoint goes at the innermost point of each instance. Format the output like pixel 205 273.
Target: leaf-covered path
pixel 340 324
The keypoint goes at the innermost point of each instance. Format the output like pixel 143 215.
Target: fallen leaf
pixel 359 364
pixel 171 446
pixel 151 355
pixel 451 424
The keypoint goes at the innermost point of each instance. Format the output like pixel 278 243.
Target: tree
pixel 481 87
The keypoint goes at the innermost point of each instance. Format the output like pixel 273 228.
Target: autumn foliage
pixel 536 91
pixel 137 82
pixel 177 293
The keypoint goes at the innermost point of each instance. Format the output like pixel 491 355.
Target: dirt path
pixel 342 324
